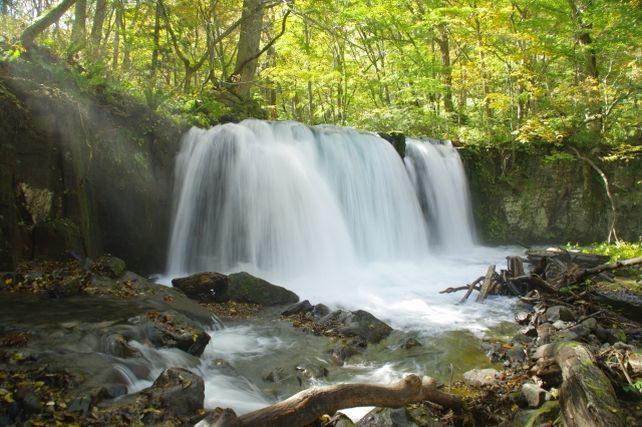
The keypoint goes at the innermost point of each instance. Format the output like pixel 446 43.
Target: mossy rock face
pixel 243 287
pixel 536 195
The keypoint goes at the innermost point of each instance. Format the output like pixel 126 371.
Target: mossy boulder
pixel 244 287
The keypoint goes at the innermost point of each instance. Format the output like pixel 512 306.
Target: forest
pixel 474 71
pixel 330 213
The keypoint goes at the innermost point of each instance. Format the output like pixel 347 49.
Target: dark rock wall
pixel 538 197
pixel 81 173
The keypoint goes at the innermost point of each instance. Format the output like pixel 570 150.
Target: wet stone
pixel 481 377
pixel 522 317
pixel 535 395
pixel 559 312
pixel 411 343
pixel 296 308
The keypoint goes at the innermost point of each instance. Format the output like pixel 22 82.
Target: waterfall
pixel 442 189
pixel 283 199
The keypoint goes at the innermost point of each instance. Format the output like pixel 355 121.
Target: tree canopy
pixel 500 71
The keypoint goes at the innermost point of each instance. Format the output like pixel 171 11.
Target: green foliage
pixel 483 72
pixel 615 251
pixel 636 387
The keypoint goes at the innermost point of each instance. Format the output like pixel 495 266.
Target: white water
pixel 440 183
pixel 336 216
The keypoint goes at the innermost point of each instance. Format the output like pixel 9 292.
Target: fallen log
pixel 584 274
pixel 587 397
pixel 305 407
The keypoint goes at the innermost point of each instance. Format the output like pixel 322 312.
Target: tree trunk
pixel 446 71
pixel 248 47
pixel 118 25
pixel 79 27
pixel 97 28
pixel 156 41
pixel 43 22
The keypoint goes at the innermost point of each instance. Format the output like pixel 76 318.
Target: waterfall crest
pixel 285 199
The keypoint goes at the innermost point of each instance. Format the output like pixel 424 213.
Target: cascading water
pixel 282 199
pixel 440 182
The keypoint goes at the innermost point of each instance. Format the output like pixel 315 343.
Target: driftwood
pixel 305 407
pixel 487 284
pixel 587 397
pixel 552 271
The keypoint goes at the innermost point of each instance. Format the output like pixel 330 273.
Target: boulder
pixel 358 323
pixel 204 287
pixel 243 287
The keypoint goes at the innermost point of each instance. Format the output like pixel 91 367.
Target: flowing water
pixel 337 216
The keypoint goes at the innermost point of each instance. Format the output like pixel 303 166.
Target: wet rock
pixel 311 372
pixel 243 287
pixel 481 377
pixel 522 317
pixel 535 395
pixel 409 343
pixel 547 413
pixel 204 287
pixel 421 415
pixel 299 307
pixel 278 376
pixel 517 354
pixel 386 417
pixel 346 349
pixel 339 420
pixel 80 405
pixel 529 331
pixel 172 329
pixel 544 333
pixel 224 367
pixel 560 324
pixel 177 393
pixel 357 323
pixel 109 266
pixel 119 347
pixel 219 417
pixel 559 312
pixel 589 323
pixel 320 310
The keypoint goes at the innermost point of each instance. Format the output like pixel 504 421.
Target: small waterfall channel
pixel 337 216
